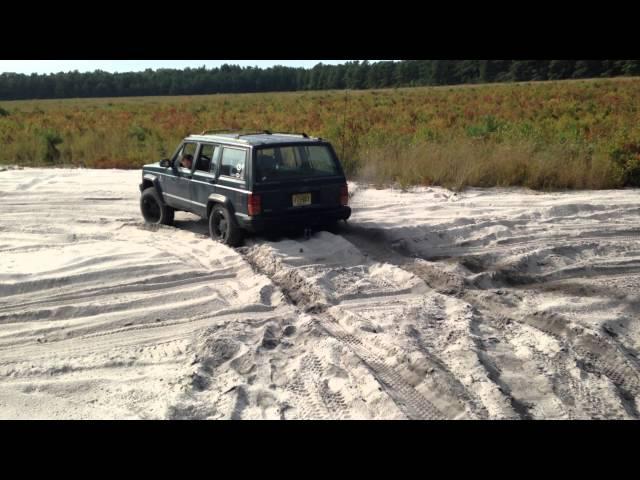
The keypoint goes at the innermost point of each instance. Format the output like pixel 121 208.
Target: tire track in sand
pixel 304 295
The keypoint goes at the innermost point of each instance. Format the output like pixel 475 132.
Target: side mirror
pixel 166 163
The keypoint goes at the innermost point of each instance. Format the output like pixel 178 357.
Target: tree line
pixel 350 75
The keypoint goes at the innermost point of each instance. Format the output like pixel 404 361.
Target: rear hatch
pixel 297 179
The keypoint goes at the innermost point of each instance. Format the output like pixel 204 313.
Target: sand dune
pixel 487 304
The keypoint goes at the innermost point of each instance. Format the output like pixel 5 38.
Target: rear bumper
pixel 298 220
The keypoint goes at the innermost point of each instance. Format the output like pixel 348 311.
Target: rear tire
pixel 223 227
pixel 154 209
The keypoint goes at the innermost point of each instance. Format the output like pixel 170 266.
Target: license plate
pixel 301 199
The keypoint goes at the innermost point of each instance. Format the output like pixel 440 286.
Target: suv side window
pixel 188 150
pixel 206 158
pixel 233 162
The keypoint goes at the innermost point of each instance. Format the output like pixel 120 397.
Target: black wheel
pixel 223 228
pixel 153 208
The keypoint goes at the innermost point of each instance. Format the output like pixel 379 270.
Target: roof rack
pixel 263 132
pixel 206 132
pixel 210 133
pixel 243 133
pixel 236 131
pixel 303 135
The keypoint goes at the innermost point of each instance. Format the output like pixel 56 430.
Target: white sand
pixel 486 304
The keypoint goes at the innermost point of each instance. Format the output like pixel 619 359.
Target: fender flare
pixel 153 180
pixel 216 198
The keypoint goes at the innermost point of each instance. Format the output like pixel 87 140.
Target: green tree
pixel 631 67
pixel 467 71
pixel 560 69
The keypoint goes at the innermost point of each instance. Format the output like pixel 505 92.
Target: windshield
pixel 294 161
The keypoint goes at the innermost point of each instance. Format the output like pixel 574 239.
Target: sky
pixel 55 66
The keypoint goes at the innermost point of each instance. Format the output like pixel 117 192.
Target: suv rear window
pixel 294 161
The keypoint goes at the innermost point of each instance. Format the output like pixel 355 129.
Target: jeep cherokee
pixel 247 182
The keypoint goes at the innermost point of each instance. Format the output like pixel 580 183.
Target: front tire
pixel 223 228
pixel 154 209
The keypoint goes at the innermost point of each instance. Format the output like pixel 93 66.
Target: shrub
pixel 627 159
pixel 139 133
pixel 488 126
pixel 51 139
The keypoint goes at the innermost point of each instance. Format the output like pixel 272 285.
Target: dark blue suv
pixel 248 182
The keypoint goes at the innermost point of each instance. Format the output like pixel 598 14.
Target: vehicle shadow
pixel 192 223
pixel 200 226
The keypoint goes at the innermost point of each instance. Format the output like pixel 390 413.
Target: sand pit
pixel 487 304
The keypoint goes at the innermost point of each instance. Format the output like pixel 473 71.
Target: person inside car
pixel 187 161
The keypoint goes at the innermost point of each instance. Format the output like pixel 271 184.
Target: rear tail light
pixel 255 204
pixel 344 195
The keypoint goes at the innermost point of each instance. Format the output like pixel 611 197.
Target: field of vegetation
pixel 542 135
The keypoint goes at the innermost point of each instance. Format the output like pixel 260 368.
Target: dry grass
pixel 548 135
pixel 468 163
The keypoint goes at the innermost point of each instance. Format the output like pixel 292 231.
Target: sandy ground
pixel 489 304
